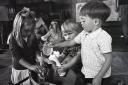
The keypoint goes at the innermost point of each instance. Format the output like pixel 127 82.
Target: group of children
pixel 86 46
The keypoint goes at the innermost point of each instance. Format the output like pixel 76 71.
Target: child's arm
pixel 40 22
pixel 24 63
pixel 72 62
pixel 44 25
pixel 65 44
pixel 66 60
pixel 108 58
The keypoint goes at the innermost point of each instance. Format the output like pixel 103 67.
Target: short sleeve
pixel 77 39
pixel 104 43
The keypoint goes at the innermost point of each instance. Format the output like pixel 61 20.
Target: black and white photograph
pixel 63 42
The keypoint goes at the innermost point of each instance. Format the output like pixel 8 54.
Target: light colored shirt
pixel 93 46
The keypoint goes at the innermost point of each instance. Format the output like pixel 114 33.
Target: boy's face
pixel 87 23
pixel 69 35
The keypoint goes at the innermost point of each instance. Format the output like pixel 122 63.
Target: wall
pixel 72 8
pixel 3 13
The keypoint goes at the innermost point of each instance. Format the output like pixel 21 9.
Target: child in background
pixel 95 44
pixel 41 28
pixel 54 35
pixel 24 48
pixel 70 29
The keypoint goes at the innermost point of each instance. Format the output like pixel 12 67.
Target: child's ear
pixel 96 21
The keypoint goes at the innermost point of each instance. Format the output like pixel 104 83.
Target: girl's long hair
pixel 25 15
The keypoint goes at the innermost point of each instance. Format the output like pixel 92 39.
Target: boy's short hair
pixel 71 25
pixel 95 9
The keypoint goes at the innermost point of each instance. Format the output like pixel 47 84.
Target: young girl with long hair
pixel 24 47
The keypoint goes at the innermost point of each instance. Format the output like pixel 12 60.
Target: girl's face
pixel 69 35
pixel 87 23
pixel 27 29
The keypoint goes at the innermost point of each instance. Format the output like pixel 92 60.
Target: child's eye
pixel 67 34
pixel 82 22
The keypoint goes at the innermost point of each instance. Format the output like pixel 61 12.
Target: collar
pixel 95 33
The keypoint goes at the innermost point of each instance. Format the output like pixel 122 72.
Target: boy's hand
pixel 97 81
